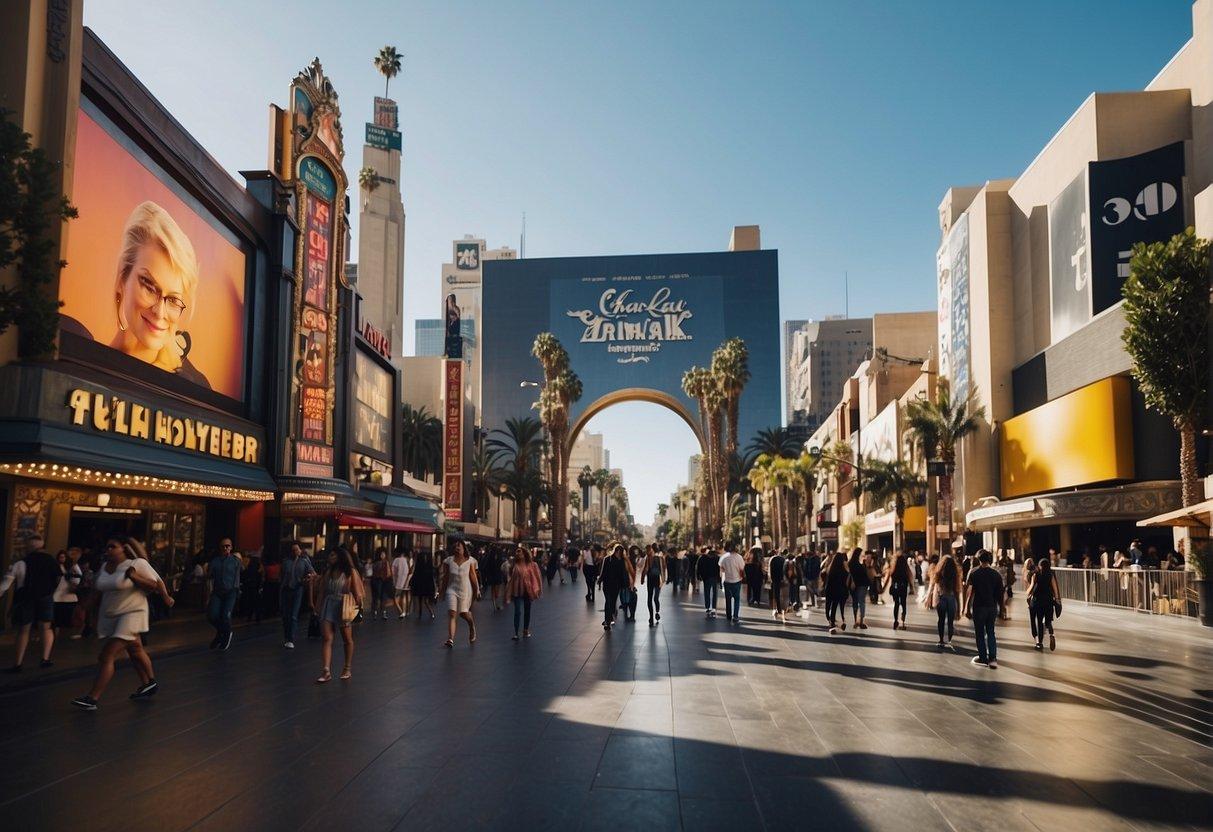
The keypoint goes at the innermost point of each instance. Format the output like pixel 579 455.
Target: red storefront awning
pixel 365 521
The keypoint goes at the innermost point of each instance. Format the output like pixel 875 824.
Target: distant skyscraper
pixel 789 328
pixel 822 355
pixel 381 222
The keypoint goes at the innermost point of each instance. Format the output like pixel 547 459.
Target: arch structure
pixel 636 394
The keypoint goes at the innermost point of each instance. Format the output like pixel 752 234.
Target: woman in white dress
pixel 120 590
pixel 461 586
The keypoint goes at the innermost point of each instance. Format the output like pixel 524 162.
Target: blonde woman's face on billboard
pixel 153 300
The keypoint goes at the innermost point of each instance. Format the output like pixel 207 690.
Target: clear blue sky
pixel 644 127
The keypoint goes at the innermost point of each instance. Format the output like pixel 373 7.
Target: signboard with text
pixel 383 138
pixel 452 440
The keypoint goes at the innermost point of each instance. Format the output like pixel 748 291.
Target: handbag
pixel 350 611
pixel 1056 608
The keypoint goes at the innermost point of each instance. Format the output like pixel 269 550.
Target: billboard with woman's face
pixel 150 273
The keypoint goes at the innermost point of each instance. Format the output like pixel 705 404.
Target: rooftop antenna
pixel 522 239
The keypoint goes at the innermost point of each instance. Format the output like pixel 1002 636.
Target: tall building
pixel 430 336
pixel 821 356
pixel 462 289
pixel 381 218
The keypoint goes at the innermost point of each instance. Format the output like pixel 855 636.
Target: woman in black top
pixel 859 587
pixel 422 583
pixel 899 579
pixel 837 586
pixel 1042 595
pixel 753 577
pixel 614 576
pixel 635 557
pixel 653 574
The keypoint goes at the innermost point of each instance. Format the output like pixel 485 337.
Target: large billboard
pixel 1138 199
pixel 632 325
pixel 952 264
pixel 373 397
pixel 150 273
pixel 1069 259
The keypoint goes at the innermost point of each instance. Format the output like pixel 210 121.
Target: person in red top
pixel 523 588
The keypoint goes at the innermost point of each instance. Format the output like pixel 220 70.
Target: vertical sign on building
pixel 452 440
pixel 1069 260
pixel 958 252
pixel 319 183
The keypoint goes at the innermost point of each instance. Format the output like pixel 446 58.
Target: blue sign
pixel 384 138
pixel 634 323
pixel 317 178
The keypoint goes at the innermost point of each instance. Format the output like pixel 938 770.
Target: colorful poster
pixel 452 440
pixel 150 273
pixel 314 407
pixel 373 404
pixel 317 248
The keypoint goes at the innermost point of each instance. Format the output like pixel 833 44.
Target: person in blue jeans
pixel 859 587
pixel 732 572
pixel 297 574
pixel 984 600
pixel 708 572
pixel 224 573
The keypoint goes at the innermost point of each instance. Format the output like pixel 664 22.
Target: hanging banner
pixel 1069 260
pixel 452 440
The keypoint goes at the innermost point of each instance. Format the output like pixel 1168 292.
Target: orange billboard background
pixel 109 183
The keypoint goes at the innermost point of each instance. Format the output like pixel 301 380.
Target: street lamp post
pixel 585 479
pixel 694 519
pixel 500 500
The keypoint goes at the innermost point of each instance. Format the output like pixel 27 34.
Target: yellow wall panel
pixel 1083 437
pixel 915 519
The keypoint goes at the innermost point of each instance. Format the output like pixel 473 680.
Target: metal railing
pixel 1153 591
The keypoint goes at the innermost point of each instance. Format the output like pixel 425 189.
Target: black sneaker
pixel 14 669
pixel 216 641
pixel 145 691
pixel 85 703
pixel 46 663
pixel 658 616
pixel 227 642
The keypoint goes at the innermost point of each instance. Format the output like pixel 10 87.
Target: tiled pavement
pixel 696 725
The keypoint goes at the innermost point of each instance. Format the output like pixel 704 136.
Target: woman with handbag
pixel 120 592
pixel 461 586
pixel 1043 602
pixel 945 588
pixel 339 605
pixel 523 588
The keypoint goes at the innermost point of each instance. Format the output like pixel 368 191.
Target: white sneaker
pixel 290 645
pixel 402 616
pixel 993 664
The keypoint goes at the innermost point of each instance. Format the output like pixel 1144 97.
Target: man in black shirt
pixel 984 600
pixel 35 577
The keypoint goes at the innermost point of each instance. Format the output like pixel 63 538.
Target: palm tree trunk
pixel 945 483
pixel 1188 471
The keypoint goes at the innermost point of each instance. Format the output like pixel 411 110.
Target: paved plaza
pixel 694 725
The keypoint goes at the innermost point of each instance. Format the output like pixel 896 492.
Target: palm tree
pixel 762 480
pixel 484 473
pixel 421 445
pixel 937 427
pixel 388 63
pixel 561 388
pixel 702 385
pixel 775 441
pixel 368 179
pixel 896 482
pixel 518 446
pixel 731 366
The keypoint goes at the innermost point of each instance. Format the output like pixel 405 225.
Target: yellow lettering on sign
pixel 101 413
pixel 214 446
pixel 120 423
pixel 79 402
pixel 178 432
pixel 163 428
pixel 225 444
pixel 140 419
pixel 250 450
pixel 237 446
pixel 200 432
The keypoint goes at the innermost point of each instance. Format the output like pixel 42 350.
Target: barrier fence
pixel 1153 591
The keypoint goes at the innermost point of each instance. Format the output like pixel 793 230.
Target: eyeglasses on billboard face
pixel 150 294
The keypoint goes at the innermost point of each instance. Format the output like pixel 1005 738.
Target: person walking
pixel 614 576
pixel 523 588
pixel 572 563
pixel 732 572
pixel 837 589
pixel 381 584
pixel 810 568
pixel 271 586
pixel 985 596
pixel 65 598
pixel 590 557
pixel 1043 595
pixel 296 579
pixel 945 595
pixel 653 575
pixel 709 574
pixel 791 569
pixel 402 570
pixel 899 580
pixel 34 577
pixel 120 593
pixel 776 569
pixel 1029 569
pixel 635 558
pixel 461 586
pixel 423 586
pixel 492 564
pixel 251 578
pixel 753 576
pixel 341 595
pixel 224 571
pixel 860 582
